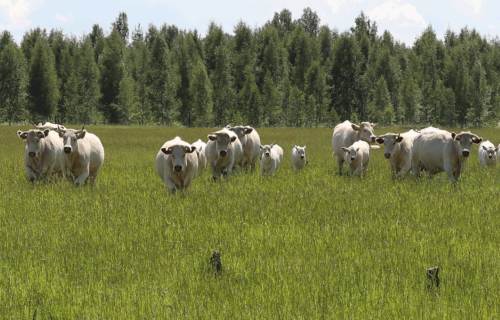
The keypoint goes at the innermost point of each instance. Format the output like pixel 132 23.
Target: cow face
pixel 265 151
pixel 390 141
pixel 33 139
pixel 70 139
pixel 466 139
pixel 222 142
pixel 301 151
pixel 178 154
pixel 241 132
pixel 351 153
pixel 491 151
pixel 365 131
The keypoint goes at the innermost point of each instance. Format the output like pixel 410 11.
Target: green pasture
pixel 298 245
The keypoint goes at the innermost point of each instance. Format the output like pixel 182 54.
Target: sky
pixel 405 19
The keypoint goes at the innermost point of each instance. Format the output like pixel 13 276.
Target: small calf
pixel 298 157
pixel 487 154
pixel 271 157
pixel 357 157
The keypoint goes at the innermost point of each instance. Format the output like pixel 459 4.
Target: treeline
pixel 285 73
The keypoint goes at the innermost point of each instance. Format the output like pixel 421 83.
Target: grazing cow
pixel 250 143
pixel 48 125
pixel 357 157
pixel 346 133
pixel 200 152
pixel 487 154
pixel 271 157
pixel 223 151
pixel 298 157
pixel 84 155
pixel 43 153
pixel 438 151
pixel 398 150
pixel 177 164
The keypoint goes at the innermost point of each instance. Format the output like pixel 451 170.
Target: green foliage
pixel 43 92
pixel 201 95
pixel 250 99
pixel 12 82
pixel 381 110
pixel 88 83
pixel 121 25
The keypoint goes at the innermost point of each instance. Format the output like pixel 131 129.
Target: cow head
pixel 390 141
pixel 351 153
pixel 465 140
pixel 33 139
pixel 223 140
pixel 178 154
pixel 70 138
pixel 301 151
pixel 241 132
pixel 491 151
pixel 365 131
pixel 266 150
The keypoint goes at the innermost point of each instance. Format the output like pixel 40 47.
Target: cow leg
pixel 340 162
pixel 50 169
pixel 31 174
pixel 170 184
pixel 82 177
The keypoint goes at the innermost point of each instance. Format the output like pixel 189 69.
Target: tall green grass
pixel 300 245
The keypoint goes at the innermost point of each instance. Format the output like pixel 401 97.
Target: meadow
pixel 298 245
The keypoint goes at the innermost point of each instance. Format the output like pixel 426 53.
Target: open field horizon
pixel 309 244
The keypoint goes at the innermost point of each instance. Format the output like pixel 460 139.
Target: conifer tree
pixel 12 82
pixel 201 95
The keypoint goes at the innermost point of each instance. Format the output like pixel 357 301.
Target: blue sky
pixel 404 19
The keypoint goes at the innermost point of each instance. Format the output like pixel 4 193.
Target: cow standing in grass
pixel 487 154
pixel 84 155
pixel 48 125
pixel 398 150
pixel 347 133
pixel 438 151
pixel 357 157
pixel 272 156
pixel 223 151
pixel 177 164
pixel 298 157
pixel 250 144
pixel 200 152
pixel 43 154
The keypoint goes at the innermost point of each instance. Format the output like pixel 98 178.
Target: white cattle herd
pixel 79 155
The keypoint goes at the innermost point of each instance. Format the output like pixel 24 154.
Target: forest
pixel 286 73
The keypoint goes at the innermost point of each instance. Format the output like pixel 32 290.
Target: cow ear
pixel 355 127
pixel 374 125
pixel 166 151
pixel 261 147
pixel 453 135
pixel 81 135
pixel 485 148
pixel 233 138
pixel 304 147
pixel 357 149
pixel 248 130
pixel 380 140
pixel 496 149
pixel 212 137
pixel 46 132
pixel 345 149
pixel 22 135
pixel 399 139
pixel 477 140
pixel 190 150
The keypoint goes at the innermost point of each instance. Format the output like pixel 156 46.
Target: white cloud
pixel 336 4
pixel 491 25
pixel 66 18
pixel 393 11
pixel 476 4
pixel 16 14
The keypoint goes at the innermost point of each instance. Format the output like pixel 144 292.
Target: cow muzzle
pixel 31 154
pixel 267 154
pixel 302 157
pixel 223 153
pixel 387 155
pixel 67 150
pixel 490 156
pixel 465 153
pixel 372 138
pixel 353 158
pixel 178 168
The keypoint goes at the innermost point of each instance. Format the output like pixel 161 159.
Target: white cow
pixel 177 164
pixel 487 154
pixel 398 150
pixel 298 157
pixel 84 155
pixel 223 151
pixel 271 157
pixel 200 152
pixel 357 157
pixel 43 153
pixel 428 129
pixel 250 143
pixel 439 151
pixel 48 125
pixel 346 133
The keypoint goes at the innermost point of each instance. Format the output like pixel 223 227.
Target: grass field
pixel 298 245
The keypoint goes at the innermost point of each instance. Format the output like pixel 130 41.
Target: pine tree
pixel 297 102
pixel 88 83
pixel 380 106
pixel 127 99
pixel 43 92
pixel 410 99
pixel 480 99
pixel 6 39
pixel 121 25
pixel 270 101
pixel 224 95
pixel 201 95
pixel 250 100
pixel 12 82
pixel 316 94
pixel 97 39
